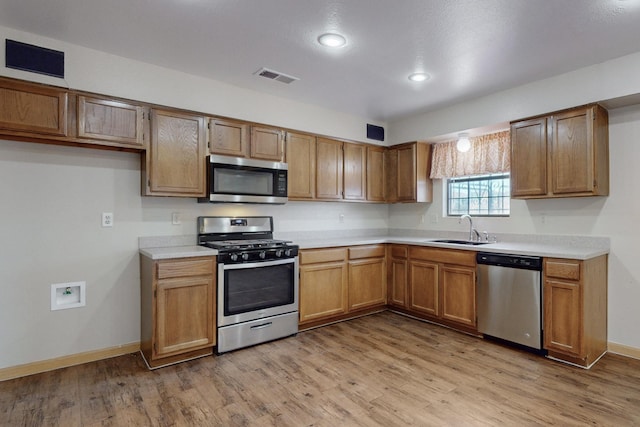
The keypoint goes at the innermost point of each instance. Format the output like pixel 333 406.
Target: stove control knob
pixel 234 257
pixel 262 255
pixel 278 253
pixel 287 252
pixel 245 256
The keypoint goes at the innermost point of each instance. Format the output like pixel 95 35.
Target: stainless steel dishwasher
pixel 509 298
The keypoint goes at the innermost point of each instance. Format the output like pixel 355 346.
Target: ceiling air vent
pixel 275 75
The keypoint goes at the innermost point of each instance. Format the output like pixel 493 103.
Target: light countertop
pixel 177 252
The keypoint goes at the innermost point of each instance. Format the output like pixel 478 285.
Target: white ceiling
pixel 470 47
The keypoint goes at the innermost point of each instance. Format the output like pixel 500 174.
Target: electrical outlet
pixel 341 218
pixel 107 219
pixel 422 219
pixel 175 218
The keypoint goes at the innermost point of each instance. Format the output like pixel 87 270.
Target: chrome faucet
pixel 472 230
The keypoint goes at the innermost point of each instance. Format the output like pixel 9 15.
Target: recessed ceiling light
pixel 419 77
pixel 332 40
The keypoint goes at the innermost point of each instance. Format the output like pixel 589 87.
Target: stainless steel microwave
pixel 239 180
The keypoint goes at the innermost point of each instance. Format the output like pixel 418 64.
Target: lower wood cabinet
pixel 436 284
pixel 575 309
pixel 177 309
pixel 336 283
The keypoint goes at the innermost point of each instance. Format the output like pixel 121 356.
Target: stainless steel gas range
pixel 257 280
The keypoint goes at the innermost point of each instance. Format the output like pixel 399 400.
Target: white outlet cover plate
pixel 107 219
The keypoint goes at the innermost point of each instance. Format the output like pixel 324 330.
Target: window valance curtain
pixel 489 153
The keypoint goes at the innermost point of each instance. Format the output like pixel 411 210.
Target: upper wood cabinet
pixel 32 109
pixel 407 168
pixel 175 161
pixel 266 143
pixel 301 160
pixel 328 169
pixel 354 171
pixel 241 139
pixel 228 137
pixel 565 154
pixel 375 173
pixel 112 121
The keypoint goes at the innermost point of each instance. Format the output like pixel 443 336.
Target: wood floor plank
pixel 380 370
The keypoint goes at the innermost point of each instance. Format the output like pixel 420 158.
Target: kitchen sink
pixel 458 242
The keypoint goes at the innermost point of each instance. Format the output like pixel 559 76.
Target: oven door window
pixel 257 288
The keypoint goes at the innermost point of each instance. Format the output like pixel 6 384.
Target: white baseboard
pixel 65 361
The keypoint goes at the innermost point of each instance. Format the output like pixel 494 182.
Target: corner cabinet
pixel 407 169
pixel 339 283
pixel 565 154
pixel 177 309
pixel 174 164
pixel 575 309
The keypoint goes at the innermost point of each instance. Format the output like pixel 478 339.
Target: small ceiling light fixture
pixel 419 77
pixel 463 145
pixel 332 40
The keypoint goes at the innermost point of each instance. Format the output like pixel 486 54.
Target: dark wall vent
pixel 36 59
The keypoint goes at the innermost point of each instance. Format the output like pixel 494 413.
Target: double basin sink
pixel 458 242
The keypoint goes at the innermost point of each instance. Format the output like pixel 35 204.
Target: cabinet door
pixel 177 154
pixel 375 174
pixel 398 282
pixel 112 121
pixel 529 158
pixel 423 287
pixel 562 317
pixel 572 152
pixel 391 178
pixel 328 169
pixel 323 291
pixel 367 283
pixel 34 109
pixel 184 315
pixel 267 144
pixel 301 160
pixel 459 294
pixel 355 171
pixel 229 138
pixel 406 172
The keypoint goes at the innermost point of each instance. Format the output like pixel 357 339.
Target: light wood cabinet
pixel 177 309
pixel 174 165
pixel 407 168
pixel 323 284
pixel 397 275
pixel 375 174
pixel 565 154
pixel 367 277
pixel 266 143
pixel 328 169
pixel 301 160
pixel 241 139
pixel 442 286
pixel 228 137
pixel 111 121
pixel 354 171
pixel 575 309
pixel 32 110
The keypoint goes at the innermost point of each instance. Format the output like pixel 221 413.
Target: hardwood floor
pixel 379 370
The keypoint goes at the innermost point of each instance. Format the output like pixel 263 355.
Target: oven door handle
pixel 262 325
pixel 258 264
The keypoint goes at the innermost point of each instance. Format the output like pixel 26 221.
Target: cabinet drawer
pixel 323 255
pixel 185 267
pixel 562 268
pixel 399 251
pixel 445 256
pixel 368 251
